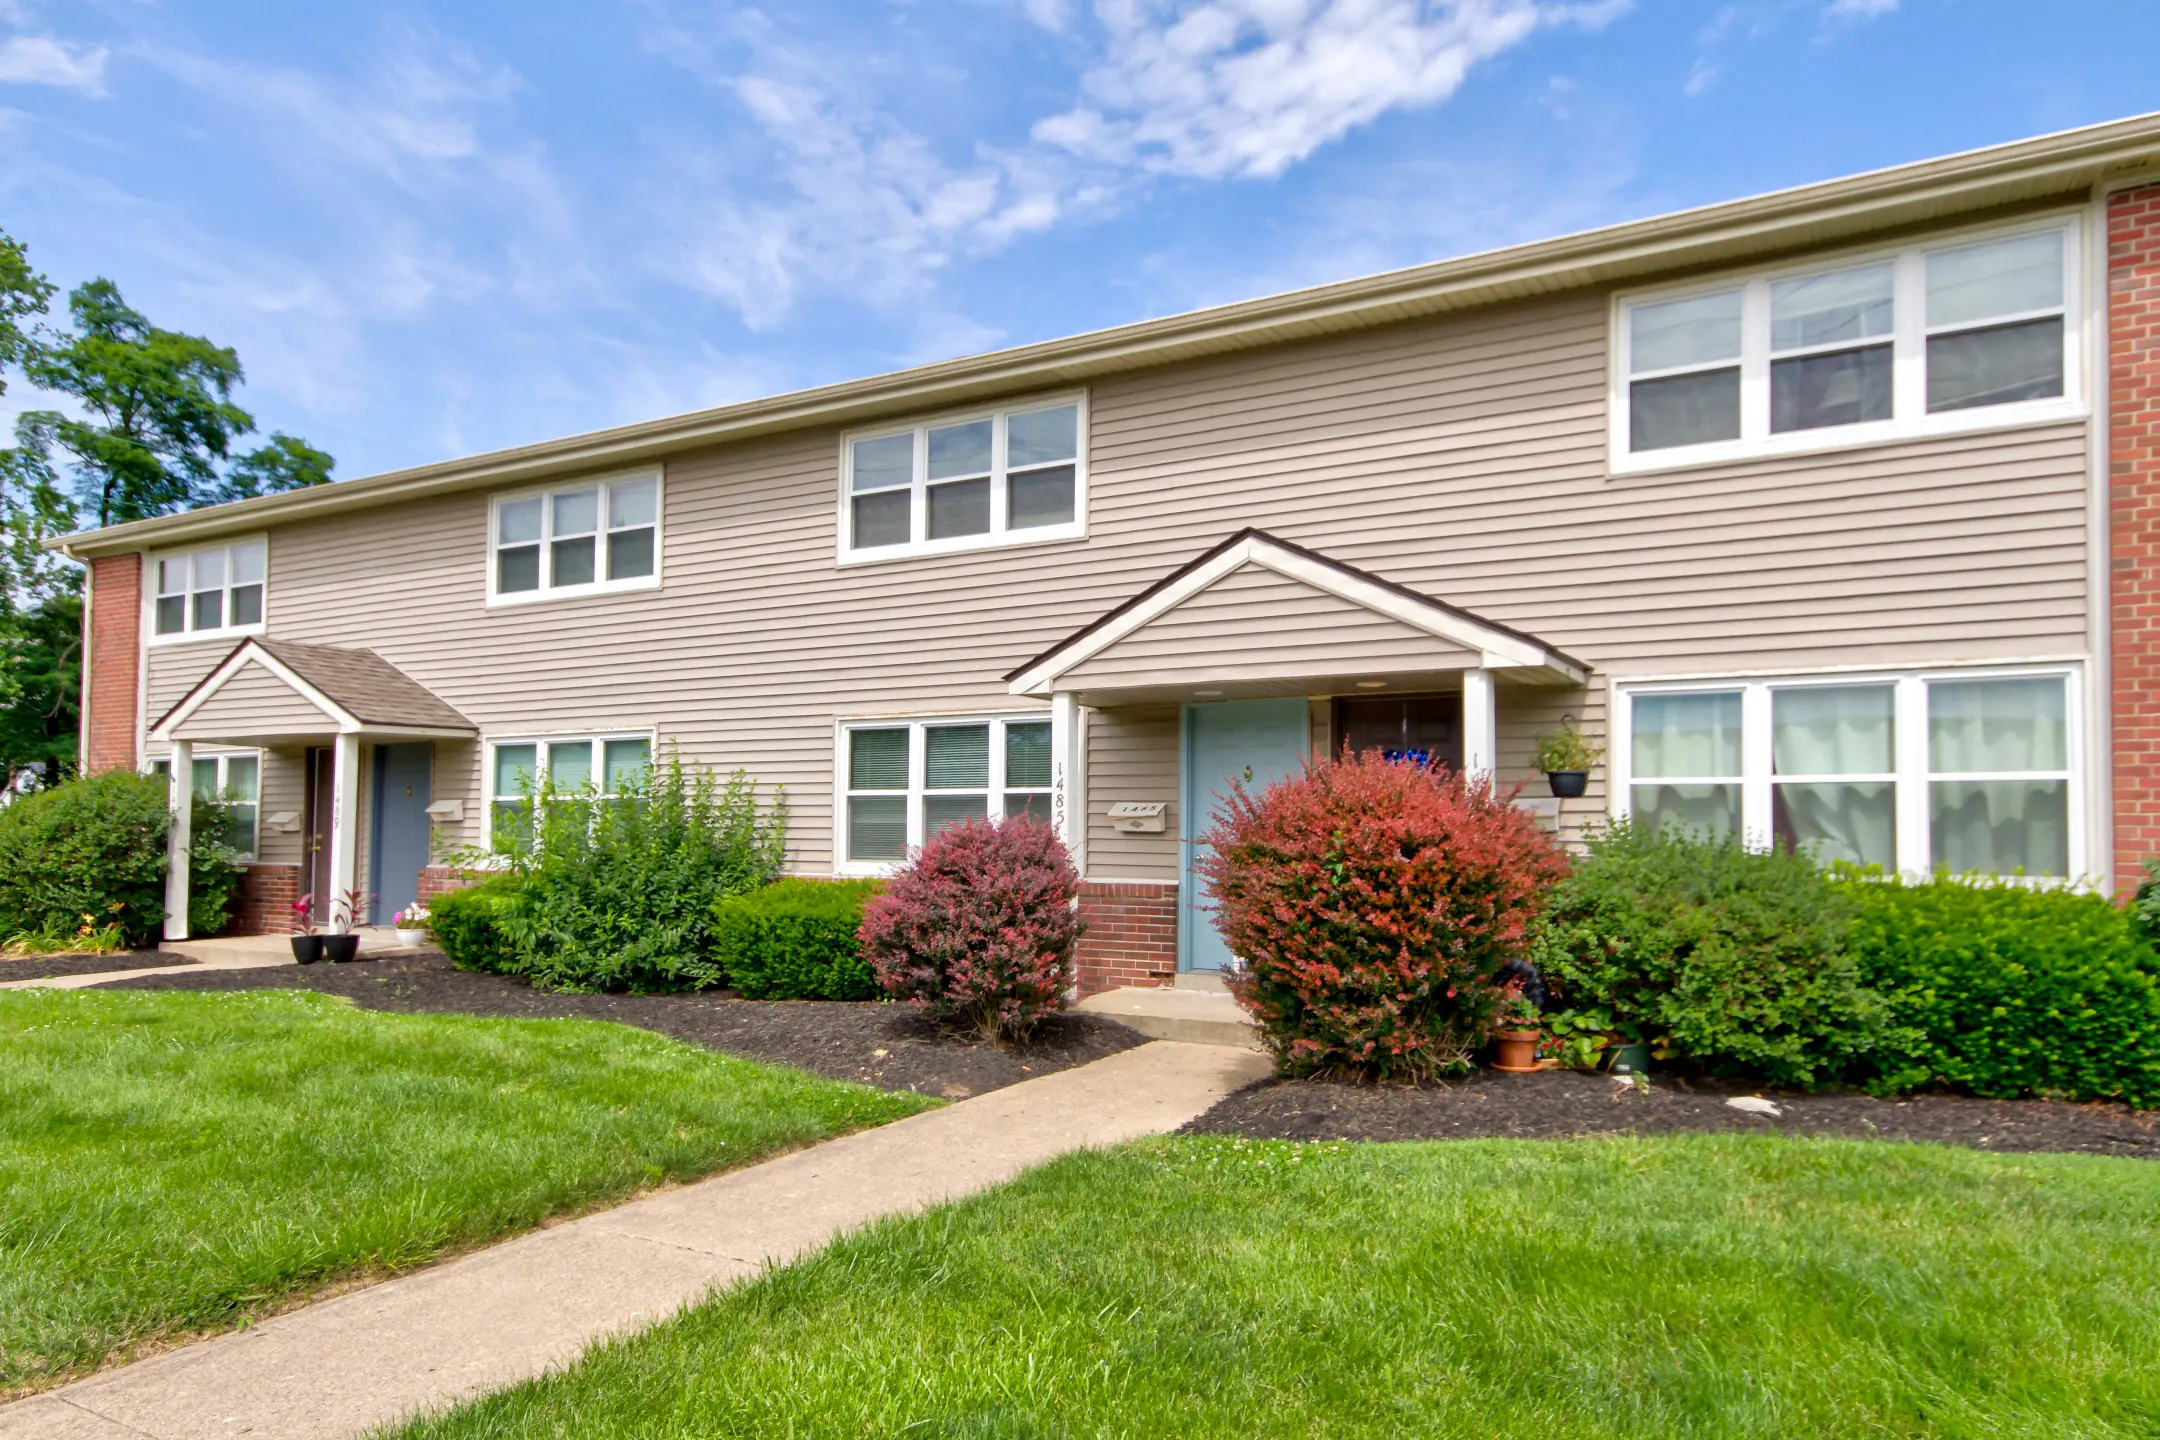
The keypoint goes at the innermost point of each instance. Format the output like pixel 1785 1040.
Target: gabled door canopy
pixel 1494 646
pixel 353 692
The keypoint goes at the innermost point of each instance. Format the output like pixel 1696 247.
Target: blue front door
pixel 400 850
pixel 1254 741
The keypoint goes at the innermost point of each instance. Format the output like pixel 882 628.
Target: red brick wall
pixel 109 670
pixel 2134 520
pixel 267 895
pixel 1131 935
pixel 441 880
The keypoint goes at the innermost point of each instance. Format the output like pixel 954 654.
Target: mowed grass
pixel 1706 1286
pixel 173 1163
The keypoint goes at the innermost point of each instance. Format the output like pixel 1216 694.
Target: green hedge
pixel 795 940
pixel 466 923
pixel 96 846
pixel 2005 990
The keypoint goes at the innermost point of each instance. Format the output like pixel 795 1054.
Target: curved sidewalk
pixel 511 1311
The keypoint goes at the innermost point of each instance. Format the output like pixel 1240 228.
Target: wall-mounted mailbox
pixel 1138 817
pixel 446 810
pixel 283 820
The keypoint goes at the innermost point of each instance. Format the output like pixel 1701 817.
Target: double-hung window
pixel 236 782
pixel 572 767
pixel 1963 771
pixel 903 781
pixel 216 590
pixel 1971 331
pixel 575 539
pixel 999 477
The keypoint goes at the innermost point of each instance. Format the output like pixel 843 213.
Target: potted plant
pixel 1566 758
pixel 342 944
pixel 1516 1034
pixel 307 946
pixel 411 925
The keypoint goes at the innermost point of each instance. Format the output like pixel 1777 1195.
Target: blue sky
pixel 436 229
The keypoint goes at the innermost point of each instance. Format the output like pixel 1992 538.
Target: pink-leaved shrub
pixel 978 928
pixel 1373 903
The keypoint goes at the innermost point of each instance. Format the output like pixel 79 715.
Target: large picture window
pixel 519 771
pixel 1968 772
pixel 575 539
pixel 1003 476
pixel 216 590
pixel 1950 335
pixel 903 781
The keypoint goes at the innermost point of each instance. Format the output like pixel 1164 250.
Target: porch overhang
pixel 279 693
pixel 1258 616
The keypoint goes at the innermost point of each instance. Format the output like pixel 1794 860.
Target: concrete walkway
pixel 512 1311
pixel 234 952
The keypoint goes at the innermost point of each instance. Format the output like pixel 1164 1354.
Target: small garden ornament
pixel 1566 758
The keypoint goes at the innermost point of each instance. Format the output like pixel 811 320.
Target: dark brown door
pixel 1425 728
pixel 321 777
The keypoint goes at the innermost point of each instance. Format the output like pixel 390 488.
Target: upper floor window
pixel 996 478
pixel 217 590
pixel 576 539
pixel 1945 336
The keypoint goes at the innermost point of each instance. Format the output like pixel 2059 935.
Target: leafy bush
pixel 96 846
pixel 617 893
pixel 1734 958
pixel 2007 990
pixel 1373 903
pixel 2145 904
pixel 466 924
pixel 796 940
pixel 978 927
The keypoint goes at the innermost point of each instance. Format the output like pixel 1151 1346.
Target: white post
pixel 1480 727
pixel 1068 775
pixel 344 828
pixel 178 838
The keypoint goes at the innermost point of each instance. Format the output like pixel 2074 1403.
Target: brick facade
pixel 441 880
pixel 267 896
pixel 2134 521
pixel 1131 935
pixel 110 663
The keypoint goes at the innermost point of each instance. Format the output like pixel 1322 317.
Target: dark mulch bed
pixel 1558 1103
pixel 889 1046
pixel 47 967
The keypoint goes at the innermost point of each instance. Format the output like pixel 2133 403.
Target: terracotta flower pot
pixel 1518 1051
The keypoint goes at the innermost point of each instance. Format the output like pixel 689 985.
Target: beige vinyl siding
pixel 1133 756
pixel 1257 625
pixel 1463 457
pixel 284 788
pixel 253 702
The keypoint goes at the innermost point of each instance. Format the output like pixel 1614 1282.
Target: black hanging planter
pixel 1568 784
pixel 307 949
pixel 338 949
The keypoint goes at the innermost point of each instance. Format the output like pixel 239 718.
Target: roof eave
pixel 1976 180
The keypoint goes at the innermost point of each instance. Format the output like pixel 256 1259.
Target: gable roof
pixel 1494 645
pixel 2064 165
pixel 354 690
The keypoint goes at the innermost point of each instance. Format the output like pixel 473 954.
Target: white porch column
pixel 1068 775
pixel 1480 726
pixel 344 830
pixel 178 837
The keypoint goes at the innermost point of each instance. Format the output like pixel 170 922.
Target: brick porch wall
pixel 2134 521
pixel 1131 935
pixel 267 896
pixel 110 663
pixel 441 880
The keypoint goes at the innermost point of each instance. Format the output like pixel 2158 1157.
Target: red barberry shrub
pixel 1372 903
pixel 978 928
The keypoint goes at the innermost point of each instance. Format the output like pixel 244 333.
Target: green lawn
pixel 172 1163
pixel 1708 1286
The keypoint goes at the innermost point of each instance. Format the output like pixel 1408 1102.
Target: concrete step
pixel 1198 1017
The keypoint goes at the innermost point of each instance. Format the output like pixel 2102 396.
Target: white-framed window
pixel 236 780
pixel 208 591
pixel 1957 333
pixel 989 477
pixel 603 765
pixel 1969 771
pixel 901 781
pixel 574 539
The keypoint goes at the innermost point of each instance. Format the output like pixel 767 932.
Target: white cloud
pixel 1701 76
pixel 1229 88
pixel 42 60
pixel 1860 9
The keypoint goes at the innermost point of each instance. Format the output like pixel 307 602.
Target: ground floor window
pixel 1966 771
pixel 236 780
pixel 519 770
pixel 903 781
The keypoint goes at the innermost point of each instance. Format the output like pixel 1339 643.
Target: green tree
pixel 285 463
pixel 40 595
pixel 23 295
